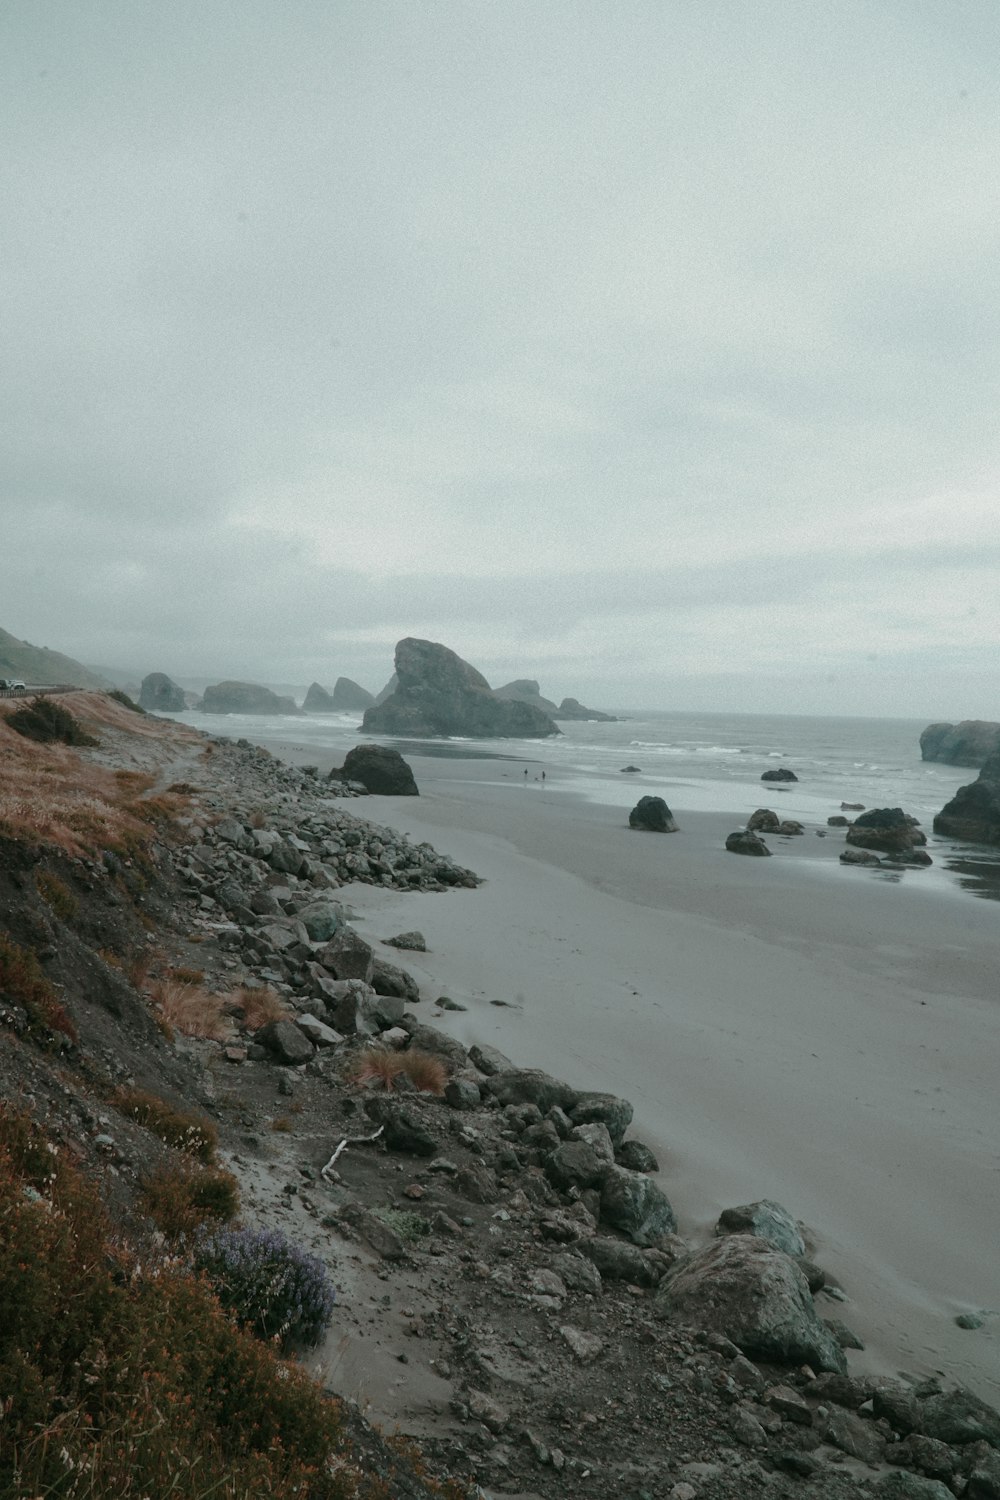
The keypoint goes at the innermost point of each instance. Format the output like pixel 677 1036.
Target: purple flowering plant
pixel 268 1283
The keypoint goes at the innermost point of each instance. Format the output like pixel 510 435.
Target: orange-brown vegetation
pixel 381 1068
pixel 195 1135
pixel 257 1008
pixel 182 1198
pixel 23 983
pixel 190 1009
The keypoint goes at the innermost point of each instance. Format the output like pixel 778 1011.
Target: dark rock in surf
pixel 973 813
pixel 763 821
pixel 652 815
pixel 743 841
pixel 245 698
pixel 572 708
pixel 887 829
pixel 780 773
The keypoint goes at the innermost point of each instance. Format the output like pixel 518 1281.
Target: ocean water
pixel 700 761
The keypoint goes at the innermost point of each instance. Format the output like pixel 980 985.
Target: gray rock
pixel 348 956
pixel 852 1435
pixel 286 1042
pixel 356 1009
pixel 285 858
pixel 578 1274
pixel 903 1485
pixel 984 1478
pixel 381 771
pixel 490 1060
pixel 974 811
pixel 970 743
pixel 161 695
pixel 586 1347
pixel 574 1164
pixel 636 1156
pixel 430 1039
pixel 597 1136
pixel 924 1455
pixel 462 1093
pixel 318 1032
pixel 405 1130
pixel 763 821
pixel 636 1206
pixel 321 919
pixel 350 697
pixel 652 815
pixel 603 1109
pixel 768 1221
pixel 858 857
pixel 245 698
pixel 414 941
pixel 389 979
pixel 531 1086
pixel 780 773
pixel 745 842
pixel 959 1417
pixel 618 1260
pixel 756 1295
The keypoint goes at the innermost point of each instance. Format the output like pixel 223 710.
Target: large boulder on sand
pixel 439 694
pixel 887 829
pixel 161 695
pixel 764 821
pixel 381 771
pixel 744 841
pixel 652 815
pixel 245 698
pixel 974 811
pixel 970 743
pixel 743 1287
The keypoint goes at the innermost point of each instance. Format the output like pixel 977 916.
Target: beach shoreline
pixel 785 1028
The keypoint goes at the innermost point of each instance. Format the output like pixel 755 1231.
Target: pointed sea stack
pixel 439 695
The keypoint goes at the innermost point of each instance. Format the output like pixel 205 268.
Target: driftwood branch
pixel 349 1140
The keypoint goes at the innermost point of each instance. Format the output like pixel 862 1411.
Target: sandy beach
pixel 785 1028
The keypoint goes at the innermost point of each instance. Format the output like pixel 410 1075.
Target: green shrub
pixel 46 721
pixel 23 983
pixel 193 1134
pixel 57 895
pixel 125 700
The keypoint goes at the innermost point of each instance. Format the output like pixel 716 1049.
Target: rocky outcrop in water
pixel 439 694
pixel 245 698
pixel 161 695
pixel 350 696
pixel 974 811
pixel 526 690
pixel 969 743
pixel 572 708
pixel 888 829
pixel 780 773
pixel 317 700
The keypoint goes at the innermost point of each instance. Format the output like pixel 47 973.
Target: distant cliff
pixel 439 694
pixel 969 743
pixel 526 690
pixel 40 667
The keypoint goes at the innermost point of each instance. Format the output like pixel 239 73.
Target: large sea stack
pixel 974 811
pixel 439 694
pixel 161 695
pixel 350 697
pixel 970 743
pixel 245 698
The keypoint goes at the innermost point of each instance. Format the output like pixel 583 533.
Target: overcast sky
pixel 650 349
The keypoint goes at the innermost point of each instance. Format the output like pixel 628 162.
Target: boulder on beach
pixel 631 770
pixel 161 695
pixel 652 815
pixel 745 841
pixel 768 1221
pixel 858 857
pixel 974 811
pixel 245 698
pixel 439 694
pixel 763 821
pixel 745 1288
pixel 350 696
pixel 889 830
pixel 780 773
pixel 381 771
pixel 970 743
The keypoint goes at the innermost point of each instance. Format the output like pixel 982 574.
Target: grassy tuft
pixel 193 1134
pixel 257 1008
pixel 381 1068
pixel 125 700
pixel 23 983
pixel 190 1009
pixel 57 895
pixel 181 1199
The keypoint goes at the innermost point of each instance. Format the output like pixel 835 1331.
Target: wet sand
pixel 786 1028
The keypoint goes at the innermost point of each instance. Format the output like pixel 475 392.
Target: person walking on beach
pixel 525 773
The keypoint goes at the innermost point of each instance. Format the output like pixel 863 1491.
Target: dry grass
pixel 257 1008
pixel 195 1135
pixel 381 1068
pixel 190 1009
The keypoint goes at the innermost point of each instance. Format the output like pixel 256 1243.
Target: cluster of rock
pixel 347 697
pixel 232 697
pixel 969 743
pixel 889 831
pixel 266 870
pixel 437 694
pixel 526 690
pixel 974 811
pixel 748 841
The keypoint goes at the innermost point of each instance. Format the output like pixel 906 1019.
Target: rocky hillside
pixel 186 1003
pixel 40 667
